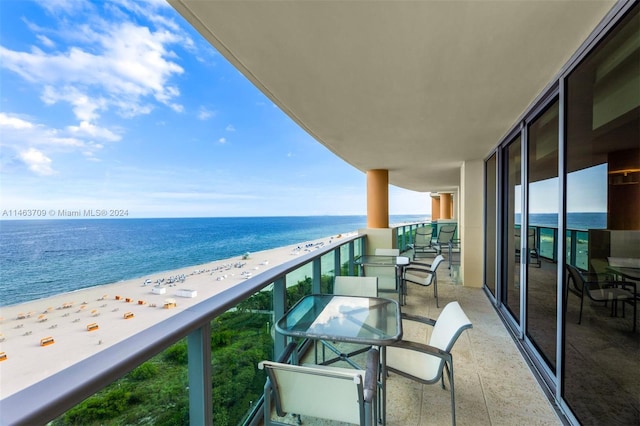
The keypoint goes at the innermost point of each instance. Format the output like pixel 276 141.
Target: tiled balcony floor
pixel 493 384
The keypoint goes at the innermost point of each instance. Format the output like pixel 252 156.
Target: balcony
pixel 494 384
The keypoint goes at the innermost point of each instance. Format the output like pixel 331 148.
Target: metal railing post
pixel 199 373
pixel 317 274
pixel 279 308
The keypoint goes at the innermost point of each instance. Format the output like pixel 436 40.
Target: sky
pixel 121 105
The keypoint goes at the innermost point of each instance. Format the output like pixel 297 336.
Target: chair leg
pixel 453 395
pixel 446 369
pixel 632 301
pixel 581 303
pixel 435 289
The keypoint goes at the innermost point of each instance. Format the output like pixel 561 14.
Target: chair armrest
pixel 419 265
pixel 421 347
pixel 418 318
pixel 411 269
pixel 286 354
pixel 371 378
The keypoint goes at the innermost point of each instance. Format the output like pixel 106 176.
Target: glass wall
pixel 587 204
pixel 543 200
pixel 601 382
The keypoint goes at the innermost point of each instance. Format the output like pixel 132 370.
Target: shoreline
pixel 83 322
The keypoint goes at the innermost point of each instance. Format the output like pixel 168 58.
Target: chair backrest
pixel 424 366
pixel 387 252
pixel 449 325
pixel 436 262
pixel 531 239
pixel 386 276
pixel 355 286
pixel 599 267
pixel 318 392
pixel 424 235
pixel 446 233
pixel 576 277
pixel 434 265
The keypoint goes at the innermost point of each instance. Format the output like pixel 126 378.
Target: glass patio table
pixel 363 320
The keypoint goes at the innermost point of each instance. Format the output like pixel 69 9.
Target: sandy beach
pixel 84 322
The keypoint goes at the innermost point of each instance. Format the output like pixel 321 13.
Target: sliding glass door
pixel 601 380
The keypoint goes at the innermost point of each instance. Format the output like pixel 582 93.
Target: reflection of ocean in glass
pixel 578 221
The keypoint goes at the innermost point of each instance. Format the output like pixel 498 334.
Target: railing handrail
pixel 51 397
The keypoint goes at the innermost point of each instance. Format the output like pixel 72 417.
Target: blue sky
pixel 122 105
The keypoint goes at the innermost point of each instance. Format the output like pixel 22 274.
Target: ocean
pixel 41 258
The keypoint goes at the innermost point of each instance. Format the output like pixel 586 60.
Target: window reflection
pixel 601 380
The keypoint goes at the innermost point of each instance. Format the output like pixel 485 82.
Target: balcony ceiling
pixel 415 87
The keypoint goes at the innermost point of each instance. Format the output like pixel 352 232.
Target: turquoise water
pixel 40 258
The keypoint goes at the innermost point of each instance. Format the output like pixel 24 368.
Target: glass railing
pixel 577 245
pixel 196 367
pixel 406 234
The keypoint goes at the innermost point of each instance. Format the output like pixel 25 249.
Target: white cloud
pixel 37 162
pixel 205 114
pixel 60 6
pixel 222 140
pixel 45 40
pixel 91 156
pixel 118 65
pixel 230 128
pixel 33 142
pixel 88 129
pixel 13 122
pixel 84 107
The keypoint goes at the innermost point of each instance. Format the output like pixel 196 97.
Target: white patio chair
pixel 331 393
pixel 425 363
pixel 423 274
pixel 387 275
pixel 423 240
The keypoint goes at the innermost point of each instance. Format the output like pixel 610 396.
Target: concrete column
pixel 470 226
pixel 378 199
pixel 435 207
pixel 445 206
